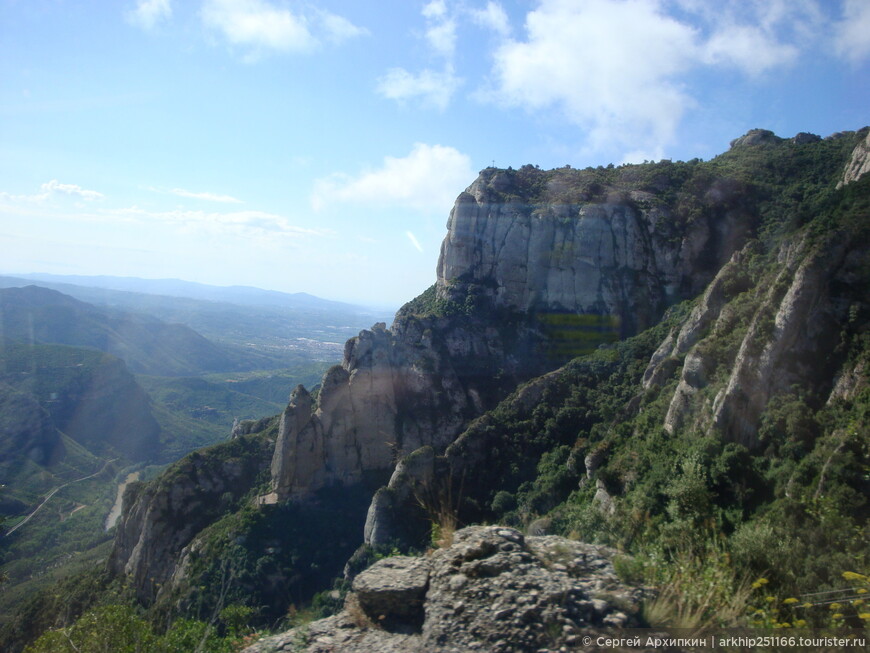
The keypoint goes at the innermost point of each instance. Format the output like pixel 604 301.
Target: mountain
pixel 285 329
pixel 64 411
pixel 668 357
pixel 149 346
pixel 242 295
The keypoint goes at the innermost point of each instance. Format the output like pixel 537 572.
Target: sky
pixel 318 147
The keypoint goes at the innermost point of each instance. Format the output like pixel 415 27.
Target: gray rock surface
pixel 492 590
pixel 162 517
pixel 548 263
pixel 396 390
pixel 618 256
pixel 859 164
pixel 756 137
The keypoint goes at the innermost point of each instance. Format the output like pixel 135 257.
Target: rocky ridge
pixel 791 344
pixel 161 519
pixel 492 589
pixel 395 391
pixel 595 251
pixel 531 258
pixel 409 393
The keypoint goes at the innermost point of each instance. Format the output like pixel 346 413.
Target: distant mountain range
pixel 286 328
pixel 243 295
pixel 34 315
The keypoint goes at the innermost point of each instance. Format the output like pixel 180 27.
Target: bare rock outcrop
pixel 162 517
pixel 859 164
pixel 396 391
pixel 792 339
pixel 568 252
pixel 492 590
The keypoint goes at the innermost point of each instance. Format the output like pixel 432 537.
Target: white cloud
pixel 433 88
pixel 238 223
pixel 441 36
pixel 618 68
pixel 424 180
pixel 149 12
pixel 435 9
pixel 610 67
pixel 210 197
pixel 852 34
pixel 260 25
pixel 492 17
pixel 756 37
pixel 338 28
pixel 748 48
pixel 54 186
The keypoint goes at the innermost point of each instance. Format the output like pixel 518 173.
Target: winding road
pixel 52 493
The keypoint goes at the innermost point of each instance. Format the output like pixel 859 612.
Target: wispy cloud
pixel 149 12
pixel 414 241
pixel 433 87
pixel 426 179
pixel 618 68
pixel 209 197
pixel 54 186
pixel 852 33
pixel 243 223
pixel 246 223
pixel 493 17
pixel 262 27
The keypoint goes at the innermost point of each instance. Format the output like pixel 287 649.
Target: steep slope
pixel 745 412
pixel 700 415
pixel 49 392
pixel 537 267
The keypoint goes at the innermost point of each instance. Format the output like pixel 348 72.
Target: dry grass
pixel 436 497
pixel 699 593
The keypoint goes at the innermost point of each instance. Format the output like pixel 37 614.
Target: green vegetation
pixel 270 558
pixel 119 629
pixel 731 531
pixel 701 515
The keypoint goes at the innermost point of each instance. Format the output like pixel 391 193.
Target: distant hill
pixel 243 295
pixel 61 406
pixel 289 329
pixel 148 345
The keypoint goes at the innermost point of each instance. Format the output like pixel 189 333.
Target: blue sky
pixel 318 146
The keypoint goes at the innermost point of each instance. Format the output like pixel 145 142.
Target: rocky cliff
pixel 161 518
pixel 779 322
pixel 537 267
pixel 395 391
pixel 577 242
pixel 665 428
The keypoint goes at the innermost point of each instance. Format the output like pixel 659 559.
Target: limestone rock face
pixel 792 339
pixel 528 258
pixel 556 251
pixel 859 164
pixel 396 391
pixel 757 137
pixel 492 590
pixel 796 346
pixel 162 517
